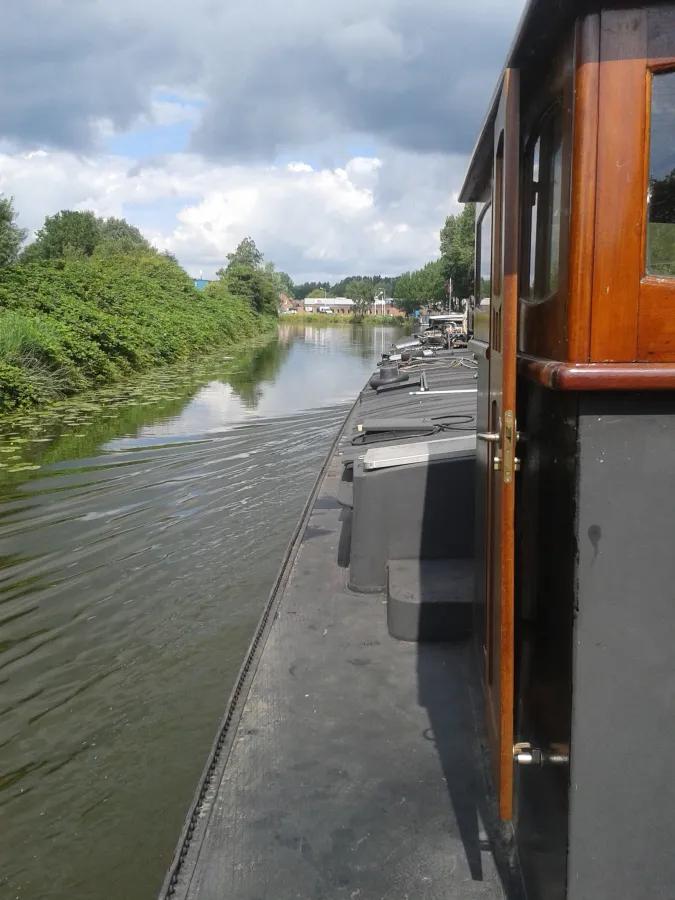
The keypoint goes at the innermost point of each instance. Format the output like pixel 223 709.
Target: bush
pixel 69 323
pixel 16 389
pixel 32 346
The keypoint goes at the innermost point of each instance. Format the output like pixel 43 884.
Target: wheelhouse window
pixel 498 195
pixel 542 197
pixel 484 261
pixel 660 249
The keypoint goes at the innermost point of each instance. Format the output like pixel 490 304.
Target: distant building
pixel 287 303
pixel 200 283
pixel 344 306
pixel 385 307
pixel 337 305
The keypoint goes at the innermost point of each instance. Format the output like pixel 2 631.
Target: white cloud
pixel 371 215
pixel 171 112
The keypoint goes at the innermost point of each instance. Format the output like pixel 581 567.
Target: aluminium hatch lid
pixel 420 452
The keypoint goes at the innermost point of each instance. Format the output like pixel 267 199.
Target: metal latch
pixel 509 441
pixel 527 755
pixel 507 460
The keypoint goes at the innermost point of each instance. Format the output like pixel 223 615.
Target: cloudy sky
pixel 334 132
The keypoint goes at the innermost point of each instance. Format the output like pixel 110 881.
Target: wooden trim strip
pixel 563 376
pixel 661 64
pixel 619 208
pixel 583 187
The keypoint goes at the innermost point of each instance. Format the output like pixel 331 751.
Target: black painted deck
pixel 351 766
pixel 433 409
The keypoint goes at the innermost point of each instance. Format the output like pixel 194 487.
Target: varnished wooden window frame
pixel 542 324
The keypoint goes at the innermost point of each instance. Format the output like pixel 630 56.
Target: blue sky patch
pixel 158 139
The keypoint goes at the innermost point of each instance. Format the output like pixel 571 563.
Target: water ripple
pixel 133 567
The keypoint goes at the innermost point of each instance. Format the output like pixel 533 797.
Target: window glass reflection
pixel 484 285
pixel 542 215
pixel 554 227
pixel 534 199
pixel 661 195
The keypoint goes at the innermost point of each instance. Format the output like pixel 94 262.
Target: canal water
pixel 141 529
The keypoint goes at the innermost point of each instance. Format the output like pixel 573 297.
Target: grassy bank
pixel 71 324
pixel 336 319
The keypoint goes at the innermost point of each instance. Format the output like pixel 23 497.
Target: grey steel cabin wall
pixel 595 643
pixel 622 812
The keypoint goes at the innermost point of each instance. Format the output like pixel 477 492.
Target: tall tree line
pixel 442 283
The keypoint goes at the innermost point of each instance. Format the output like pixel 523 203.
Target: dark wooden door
pixel 499 638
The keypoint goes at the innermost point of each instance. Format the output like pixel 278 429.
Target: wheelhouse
pixel 574 329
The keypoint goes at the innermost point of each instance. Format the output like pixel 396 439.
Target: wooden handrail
pixel 568 376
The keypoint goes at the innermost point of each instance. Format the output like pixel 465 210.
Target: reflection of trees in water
pixel 122 410
pixel 119 414
pixel 373 340
pixel 263 365
pixel 367 340
pixel 287 333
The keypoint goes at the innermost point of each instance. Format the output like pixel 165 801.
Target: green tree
pixel 68 232
pixel 246 254
pixel 429 285
pixel 253 286
pixel 11 236
pixel 113 229
pixel 405 294
pixel 457 252
pixel 318 293
pixel 362 292
pixel 280 280
pixel 118 236
pixel 304 290
pixel 285 283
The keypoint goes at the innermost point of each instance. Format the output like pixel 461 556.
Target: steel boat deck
pixel 348 764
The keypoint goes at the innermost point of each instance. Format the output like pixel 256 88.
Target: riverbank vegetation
pixel 90 301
